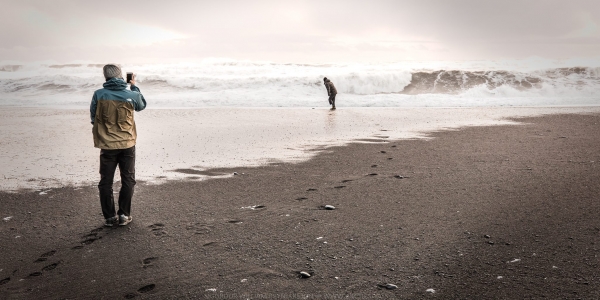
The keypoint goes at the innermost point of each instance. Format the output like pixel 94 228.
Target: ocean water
pixel 231 83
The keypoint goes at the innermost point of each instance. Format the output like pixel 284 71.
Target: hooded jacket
pixel 111 112
pixel 330 88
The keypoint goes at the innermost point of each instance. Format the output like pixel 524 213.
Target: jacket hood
pixel 115 84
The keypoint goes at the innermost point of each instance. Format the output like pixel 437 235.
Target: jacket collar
pixel 115 84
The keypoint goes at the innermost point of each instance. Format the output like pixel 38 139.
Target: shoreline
pixel 501 211
pixel 48 148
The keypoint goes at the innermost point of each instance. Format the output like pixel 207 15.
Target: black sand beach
pixel 498 212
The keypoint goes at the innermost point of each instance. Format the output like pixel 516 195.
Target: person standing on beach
pixel 331 92
pixel 115 134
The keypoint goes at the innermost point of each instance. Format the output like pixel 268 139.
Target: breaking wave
pixel 263 84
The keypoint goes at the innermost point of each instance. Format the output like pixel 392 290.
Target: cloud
pixel 302 31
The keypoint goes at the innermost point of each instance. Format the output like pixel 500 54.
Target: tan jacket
pixel 112 113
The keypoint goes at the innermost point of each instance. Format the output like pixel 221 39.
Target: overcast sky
pixel 297 31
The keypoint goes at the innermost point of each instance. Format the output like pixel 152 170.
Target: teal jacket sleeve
pixel 140 103
pixel 93 106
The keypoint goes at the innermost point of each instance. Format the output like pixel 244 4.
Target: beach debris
pixel 515 260
pixel 6 219
pixel 490 242
pixel 430 291
pixel 305 274
pixel 399 176
pixel 320 238
pixel 499 277
pixel 390 286
pixel 211 290
pixel 244 280
pixel 329 207
pixel 554 267
pixel 43 193
pixel 487 236
pixel 253 207
pixel 235 173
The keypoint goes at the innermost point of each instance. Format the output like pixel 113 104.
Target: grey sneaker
pixel 124 220
pixel 111 221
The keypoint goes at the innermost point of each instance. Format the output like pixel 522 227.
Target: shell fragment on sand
pixel 305 274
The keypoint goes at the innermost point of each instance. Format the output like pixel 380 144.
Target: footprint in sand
pixel 142 290
pixel 35 274
pixel 147 288
pixel 200 228
pixel 373 166
pixel 158 229
pixel 147 262
pixel 311 190
pixel 234 221
pixel 4 281
pixel 372 174
pixel 45 256
pixel 97 230
pixel 339 187
pixel 77 247
pixel 50 267
pixel 347 180
pixel 90 235
pixel 301 198
pixel 382 151
pixel 90 240
pixel 49 253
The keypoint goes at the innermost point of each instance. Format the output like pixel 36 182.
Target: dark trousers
pixel 109 160
pixel 332 100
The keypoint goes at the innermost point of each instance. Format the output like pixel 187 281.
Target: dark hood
pixel 115 84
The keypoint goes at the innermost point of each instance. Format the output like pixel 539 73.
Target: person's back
pixel 112 114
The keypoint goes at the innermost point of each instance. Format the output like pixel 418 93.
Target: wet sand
pixel 494 212
pixel 49 147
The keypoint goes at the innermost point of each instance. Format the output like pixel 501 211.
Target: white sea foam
pixel 230 83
